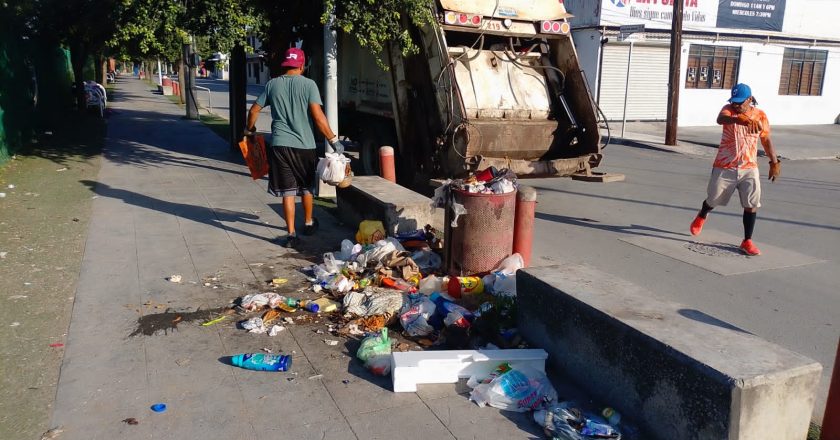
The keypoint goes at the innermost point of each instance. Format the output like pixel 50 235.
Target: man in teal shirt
pixel 295 103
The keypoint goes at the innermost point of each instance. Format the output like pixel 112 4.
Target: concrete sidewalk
pixel 792 142
pixel 170 199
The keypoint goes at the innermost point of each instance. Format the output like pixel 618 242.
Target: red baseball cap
pixel 294 57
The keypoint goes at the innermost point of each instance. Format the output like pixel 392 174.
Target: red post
pixel 523 222
pixel 176 88
pixel 831 419
pixel 386 164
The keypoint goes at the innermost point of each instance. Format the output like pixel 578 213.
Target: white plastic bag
pixel 517 389
pixel 415 314
pixel 332 168
pixel 503 281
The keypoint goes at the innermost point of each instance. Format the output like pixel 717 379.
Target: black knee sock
pixel 749 224
pixel 704 211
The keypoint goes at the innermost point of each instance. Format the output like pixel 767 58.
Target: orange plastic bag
pixel 253 150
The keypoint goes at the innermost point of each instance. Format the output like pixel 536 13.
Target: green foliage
pixel 376 23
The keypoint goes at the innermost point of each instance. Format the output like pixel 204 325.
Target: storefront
pixel 782 48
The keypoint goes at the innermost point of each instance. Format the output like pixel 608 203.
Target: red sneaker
pixel 749 248
pixel 697 225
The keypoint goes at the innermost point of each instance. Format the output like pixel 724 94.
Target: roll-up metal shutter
pixel 648 87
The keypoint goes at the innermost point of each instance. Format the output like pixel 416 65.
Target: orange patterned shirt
pixel 739 148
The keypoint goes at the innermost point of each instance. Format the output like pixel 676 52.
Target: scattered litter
pixel 3 254
pixel 256 264
pixel 52 433
pixel 14 324
pixel 267 350
pixel 279 281
pixel 182 362
pixel 566 420
pixel 345 381
pixel 275 330
pixel 288 320
pixel 254 325
pixel 11 186
pixel 319 332
pixel 65 169
pixel 130 420
pixel 317 376
pixel 27 284
pixel 513 388
pixel 2 195
pixel 174 279
pixel 214 321
pixel 330 342
pixel 159 407
pixel 75 219
pixel 57 345
pixel 207 284
pixel 18 297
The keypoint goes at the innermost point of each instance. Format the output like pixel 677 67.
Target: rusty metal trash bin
pixel 483 237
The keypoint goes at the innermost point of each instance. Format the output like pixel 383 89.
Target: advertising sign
pixel 766 15
pixel 699 15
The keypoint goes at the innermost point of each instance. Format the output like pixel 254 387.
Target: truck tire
pixel 369 155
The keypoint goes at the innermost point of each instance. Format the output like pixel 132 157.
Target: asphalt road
pixel 220 104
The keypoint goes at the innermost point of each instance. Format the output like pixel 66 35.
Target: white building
pixel 788 51
pixel 256 70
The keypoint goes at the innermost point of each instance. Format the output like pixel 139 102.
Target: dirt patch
pixel 167 321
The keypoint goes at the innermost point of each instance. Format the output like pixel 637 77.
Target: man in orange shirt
pixel 736 166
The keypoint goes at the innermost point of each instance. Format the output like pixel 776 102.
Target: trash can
pixel 483 236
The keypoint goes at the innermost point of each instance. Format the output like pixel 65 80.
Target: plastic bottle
pixel 309 306
pixel 450 312
pixel 263 362
pixel 459 286
pixel 432 284
pixel 398 284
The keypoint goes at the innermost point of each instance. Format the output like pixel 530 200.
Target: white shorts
pixel 725 181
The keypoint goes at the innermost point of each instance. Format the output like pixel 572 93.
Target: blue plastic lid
pixel 434 296
pixel 159 407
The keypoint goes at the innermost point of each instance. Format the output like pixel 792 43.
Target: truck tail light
pixel 461 19
pixel 555 27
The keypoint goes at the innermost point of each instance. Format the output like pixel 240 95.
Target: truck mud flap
pixel 557 167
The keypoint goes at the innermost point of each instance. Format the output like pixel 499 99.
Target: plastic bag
pixel 565 421
pixel 374 301
pixel 502 279
pixel 519 389
pixel 427 261
pixel 431 284
pixel 415 314
pixel 348 250
pixel 332 168
pixel 375 352
pixel 370 231
pixel 253 150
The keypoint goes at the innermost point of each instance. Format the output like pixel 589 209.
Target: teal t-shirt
pixel 289 97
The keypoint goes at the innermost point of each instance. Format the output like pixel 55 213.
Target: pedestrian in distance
pixel 736 166
pixel 295 104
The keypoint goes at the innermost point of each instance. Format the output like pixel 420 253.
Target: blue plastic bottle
pixel 263 362
pixel 444 308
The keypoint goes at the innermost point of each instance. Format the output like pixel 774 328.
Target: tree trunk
pixel 181 73
pixel 101 74
pixel 77 59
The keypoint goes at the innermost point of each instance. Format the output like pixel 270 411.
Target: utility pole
pixel 189 81
pixel 674 78
pixel 236 93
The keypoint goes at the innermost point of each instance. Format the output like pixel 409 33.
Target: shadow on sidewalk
pixel 198 214
pixel 142 129
pixel 632 229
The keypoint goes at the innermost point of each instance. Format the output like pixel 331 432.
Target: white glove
pixel 337 145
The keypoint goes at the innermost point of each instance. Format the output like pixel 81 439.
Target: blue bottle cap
pixel 159 407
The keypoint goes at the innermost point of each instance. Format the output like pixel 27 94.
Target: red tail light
pixel 461 19
pixel 555 27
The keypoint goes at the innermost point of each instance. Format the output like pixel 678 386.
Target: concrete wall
pixel 678 373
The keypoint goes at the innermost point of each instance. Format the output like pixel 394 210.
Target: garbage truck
pixel 496 83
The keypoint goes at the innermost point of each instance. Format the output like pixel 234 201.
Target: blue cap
pixel 740 93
